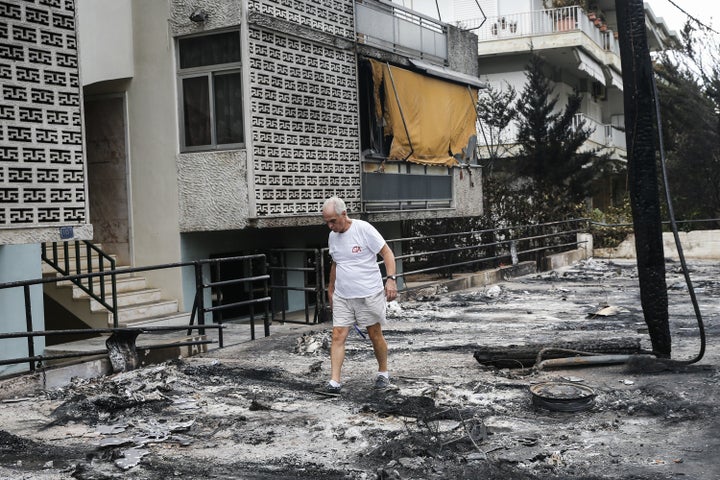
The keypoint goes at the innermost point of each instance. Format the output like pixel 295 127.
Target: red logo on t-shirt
pixel 356 249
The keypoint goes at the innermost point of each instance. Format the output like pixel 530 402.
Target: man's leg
pixel 337 351
pixel 379 346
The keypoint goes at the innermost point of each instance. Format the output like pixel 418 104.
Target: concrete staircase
pixel 138 303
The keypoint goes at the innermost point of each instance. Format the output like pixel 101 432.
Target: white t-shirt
pixel 354 252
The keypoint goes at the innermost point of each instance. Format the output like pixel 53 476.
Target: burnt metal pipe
pixel 586 361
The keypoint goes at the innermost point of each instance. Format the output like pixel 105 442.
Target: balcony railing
pixel 604 135
pixel 400 30
pixel 541 22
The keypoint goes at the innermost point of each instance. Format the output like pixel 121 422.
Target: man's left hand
pixel 390 289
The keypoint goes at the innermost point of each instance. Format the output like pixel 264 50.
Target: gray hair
pixel 336 203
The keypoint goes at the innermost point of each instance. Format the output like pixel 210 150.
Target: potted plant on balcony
pixel 566 3
pixel 564 17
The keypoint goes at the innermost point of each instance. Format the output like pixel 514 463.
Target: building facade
pixel 241 117
pixel 43 194
pixel 219 127
pixel 578 42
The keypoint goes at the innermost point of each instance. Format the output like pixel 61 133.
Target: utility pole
pixel 642 171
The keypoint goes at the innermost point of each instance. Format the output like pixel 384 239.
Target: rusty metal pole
pixel 642 171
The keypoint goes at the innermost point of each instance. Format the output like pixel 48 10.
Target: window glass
pixel 196 108
pixel 210 81
pixel 228 108
pixel 207 50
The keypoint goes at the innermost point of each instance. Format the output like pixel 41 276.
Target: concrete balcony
pixel 567 27
pixel 610 136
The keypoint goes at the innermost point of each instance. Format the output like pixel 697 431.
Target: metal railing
pixel 447 254
pixel 199 308
pixel 392 27
pixel 86 262
pixel 603 134
pixel 541 22
pixel 461 252
pixel 197 315
pixel 443 255
pixel 306 265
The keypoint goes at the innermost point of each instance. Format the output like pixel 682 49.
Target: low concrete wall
pixel 466 281
pixel 431 286
pixel 558 260
pixel 701 244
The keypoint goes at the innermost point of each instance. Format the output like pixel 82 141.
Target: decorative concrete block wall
pixel 303 105
pixel 42 169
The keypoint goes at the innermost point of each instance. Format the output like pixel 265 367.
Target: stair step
pixel 123 283
pixel 144 311
pixel 96 280
pixel 133 298
pixel 173 319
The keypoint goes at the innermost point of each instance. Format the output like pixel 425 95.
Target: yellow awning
pixel 429 119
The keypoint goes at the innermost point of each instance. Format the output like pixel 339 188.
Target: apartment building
pixel 578 41
pixel 192 129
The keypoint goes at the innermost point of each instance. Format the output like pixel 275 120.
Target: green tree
pixel 550 140
pixel 691 139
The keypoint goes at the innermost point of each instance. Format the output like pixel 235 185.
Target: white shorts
pixel 365 311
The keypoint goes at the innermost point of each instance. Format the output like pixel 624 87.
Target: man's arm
pixel 389 260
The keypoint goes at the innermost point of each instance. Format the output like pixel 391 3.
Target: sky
pixel 707 11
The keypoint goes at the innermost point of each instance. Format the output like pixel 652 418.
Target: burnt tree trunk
pixel 642 170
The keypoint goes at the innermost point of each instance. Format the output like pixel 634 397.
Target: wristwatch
pixel 392 277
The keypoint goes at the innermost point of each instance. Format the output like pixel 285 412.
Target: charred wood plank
pixel 525 356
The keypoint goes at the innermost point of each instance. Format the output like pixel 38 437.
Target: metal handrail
pixel 390 25
pixel 198 311
pixel 511 237
pixel 312 257
pixel 65 270
pixel 513 241
pixel 82 331
pixel 540 22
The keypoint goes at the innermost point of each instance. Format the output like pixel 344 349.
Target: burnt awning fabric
pixel 439 116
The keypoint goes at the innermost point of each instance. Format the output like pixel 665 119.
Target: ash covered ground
pixel 249 411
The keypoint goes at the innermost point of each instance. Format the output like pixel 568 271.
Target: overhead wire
pixel 692 17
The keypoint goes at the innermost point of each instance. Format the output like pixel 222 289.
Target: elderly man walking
pixel 356 291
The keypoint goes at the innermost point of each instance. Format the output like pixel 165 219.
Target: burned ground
pixel 249 411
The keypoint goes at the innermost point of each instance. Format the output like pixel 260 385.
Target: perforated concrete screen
pixel 42 173
pixel 334 17
pixel 304 111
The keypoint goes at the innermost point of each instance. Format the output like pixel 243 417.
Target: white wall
pixel 105 40
pixel 507 7
pixel 468 9
pixel 700 244
pixel 153 146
